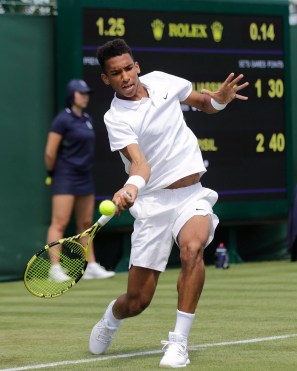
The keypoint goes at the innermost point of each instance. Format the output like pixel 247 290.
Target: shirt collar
pixel 135 104
pixel 70 112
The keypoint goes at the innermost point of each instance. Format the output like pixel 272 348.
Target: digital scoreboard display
pixel 244 146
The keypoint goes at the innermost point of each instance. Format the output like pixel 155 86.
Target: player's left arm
pixel 226 93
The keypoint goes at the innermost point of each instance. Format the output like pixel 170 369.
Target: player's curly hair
pixel 110 49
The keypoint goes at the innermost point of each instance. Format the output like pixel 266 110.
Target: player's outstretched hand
pixel 228 90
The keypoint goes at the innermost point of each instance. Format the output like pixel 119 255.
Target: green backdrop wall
pixel 27 107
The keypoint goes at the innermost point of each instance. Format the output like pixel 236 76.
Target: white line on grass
pixel 148 353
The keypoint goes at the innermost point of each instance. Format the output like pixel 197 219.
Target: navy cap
pixel 78 85
pixel 73 86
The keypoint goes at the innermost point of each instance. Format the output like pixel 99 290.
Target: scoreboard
pixel 246 148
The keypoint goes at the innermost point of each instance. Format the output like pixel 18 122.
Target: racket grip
pixel 104 219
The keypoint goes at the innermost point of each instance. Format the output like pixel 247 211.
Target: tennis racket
pixel 60 264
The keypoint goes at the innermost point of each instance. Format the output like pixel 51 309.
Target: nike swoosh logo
pixel 165 97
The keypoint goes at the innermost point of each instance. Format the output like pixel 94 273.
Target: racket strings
pixel 56 269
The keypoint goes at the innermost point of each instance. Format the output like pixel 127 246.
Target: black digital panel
pixel 244 146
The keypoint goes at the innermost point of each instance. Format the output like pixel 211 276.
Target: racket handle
pixel 104 219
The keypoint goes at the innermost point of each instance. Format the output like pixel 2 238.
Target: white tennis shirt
pixel 157 125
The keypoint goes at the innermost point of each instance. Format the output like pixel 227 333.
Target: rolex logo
pixel 217 31
pixel 158 28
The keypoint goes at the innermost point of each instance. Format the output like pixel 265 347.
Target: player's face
pixel 121 73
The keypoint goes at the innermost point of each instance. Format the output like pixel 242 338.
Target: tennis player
pixel 145 124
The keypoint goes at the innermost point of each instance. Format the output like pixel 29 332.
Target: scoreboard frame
pixel 70 39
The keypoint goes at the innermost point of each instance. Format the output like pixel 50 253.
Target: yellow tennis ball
pixel 48 181
pixel 107 207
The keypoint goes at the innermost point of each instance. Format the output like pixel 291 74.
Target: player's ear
pixel 137 67
pixel 105 79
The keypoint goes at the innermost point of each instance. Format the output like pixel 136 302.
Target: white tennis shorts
pixel 160 215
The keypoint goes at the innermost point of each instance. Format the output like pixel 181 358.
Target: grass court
pixel 246 321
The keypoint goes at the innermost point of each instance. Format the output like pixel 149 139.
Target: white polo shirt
pixel 157 125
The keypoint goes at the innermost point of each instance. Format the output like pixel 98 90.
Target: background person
pixel 69 161
pixel 145 124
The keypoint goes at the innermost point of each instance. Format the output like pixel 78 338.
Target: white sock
pixel 111 320
pixel 183 323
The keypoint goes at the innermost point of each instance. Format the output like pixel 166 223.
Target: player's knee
pixel 191 253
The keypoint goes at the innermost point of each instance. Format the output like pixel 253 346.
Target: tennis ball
pixel 107 207
pixel 48 181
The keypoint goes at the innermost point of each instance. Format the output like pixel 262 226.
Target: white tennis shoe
pixel 102 335
pixel 96 271
pixel 176 351
pixel 57 274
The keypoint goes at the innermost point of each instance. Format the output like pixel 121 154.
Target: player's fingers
pixel 228 79
pixel 123 200
pixel 241 97
pixel 118 202
pixel 128 195
pixel 236 80
pixel 242 86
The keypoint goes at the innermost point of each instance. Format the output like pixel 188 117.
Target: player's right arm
pixel 139 168
pixel 51 150
pixel 226 93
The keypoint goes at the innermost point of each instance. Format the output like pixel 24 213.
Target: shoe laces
pixel 179 346
pixel 105 334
